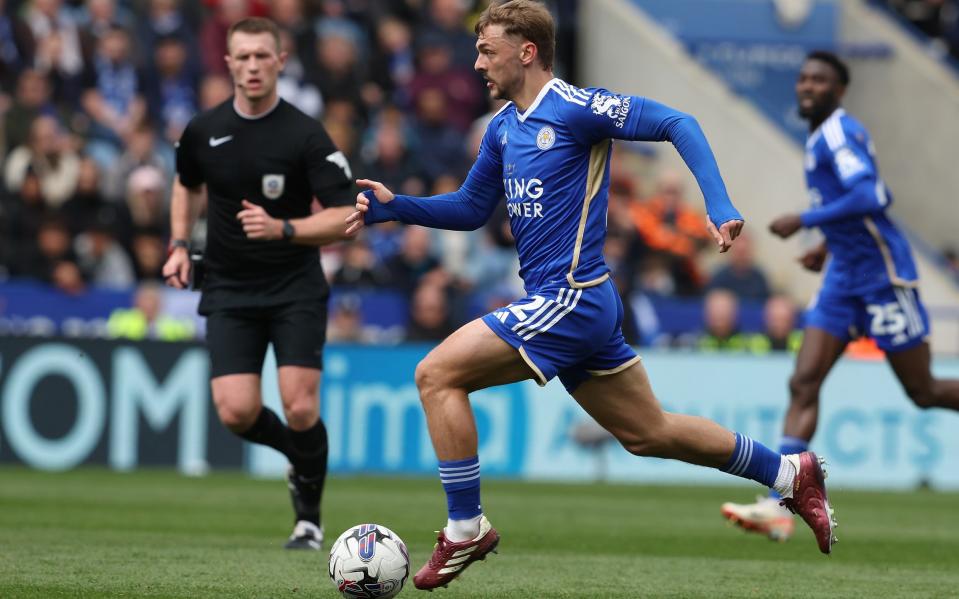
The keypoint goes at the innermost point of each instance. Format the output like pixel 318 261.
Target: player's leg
pixel 298 332
pixel 909 354
pixel 818 353
pixel 914 370
pixel 237 343
pixel 470 359
pixel 828 322
pixel 623 402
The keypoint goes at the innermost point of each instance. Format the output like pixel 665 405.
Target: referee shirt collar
pixel 254 117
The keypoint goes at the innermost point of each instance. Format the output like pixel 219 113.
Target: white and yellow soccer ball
pixel 369 561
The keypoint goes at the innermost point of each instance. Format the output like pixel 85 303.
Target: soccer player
pixel 260 162
pixel 548 151
pixel 870 285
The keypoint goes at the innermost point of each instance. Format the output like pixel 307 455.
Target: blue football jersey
pixel 867 251
pixel 554 159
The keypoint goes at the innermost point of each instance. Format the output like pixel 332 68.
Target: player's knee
pixel 429 377
pixel 645 446
pixel 301 413
pixel 237 417
pixel 921 395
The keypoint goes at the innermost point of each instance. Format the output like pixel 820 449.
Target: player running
pixel 870 286
pixel 548 150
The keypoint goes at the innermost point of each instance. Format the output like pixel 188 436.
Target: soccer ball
pixel 369 561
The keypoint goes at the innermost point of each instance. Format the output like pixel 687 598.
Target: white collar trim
pixel 814 136
pixel 254 117
pixel 539 98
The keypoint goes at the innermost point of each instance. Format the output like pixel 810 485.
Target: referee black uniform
pixel 254 291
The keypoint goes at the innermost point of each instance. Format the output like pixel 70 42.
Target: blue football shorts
pixel 572 333
pixel 893 316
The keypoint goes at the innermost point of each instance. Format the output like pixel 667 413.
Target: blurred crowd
pixel 95 93
pixel 938 19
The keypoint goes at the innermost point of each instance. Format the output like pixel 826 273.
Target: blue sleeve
pixel 851 159
pixel 868 196
pixel 607 115
pixel 465 209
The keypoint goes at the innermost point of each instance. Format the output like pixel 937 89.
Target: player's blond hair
pixel 527 19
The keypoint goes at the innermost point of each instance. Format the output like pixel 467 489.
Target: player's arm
pixel 865 194
pixel 465 209
pixel 641 119
pixel 184 207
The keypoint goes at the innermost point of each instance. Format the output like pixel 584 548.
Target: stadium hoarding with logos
pixel 67 403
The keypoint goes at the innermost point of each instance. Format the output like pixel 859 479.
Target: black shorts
pixel 237 338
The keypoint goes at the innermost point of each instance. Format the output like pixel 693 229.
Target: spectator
pixel 360 269
pixel 213 34
pixel 146 197
pixel 414 260
pixel 290 16
pixel 101 259
pixel 346 320
pixel 392 161
pixel 87 205
pixel 721 322
pixel 393 64
pixel 171 88
pixel 464 96
pixel 446 23
pixel 142 150
pixel 15 42
pixel 49 157
pixel 25 211
pixel 149 254
pixel 32 100
pixel 669 226
pixel 779 318
pixel 56 47
pixel 50 258
pixel 340 74
pixel 292 84
pixel 112 96
pixel 146 319
pixel 429 314
pixel 740 274
pixel 163 19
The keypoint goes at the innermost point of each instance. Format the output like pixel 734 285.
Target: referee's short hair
pixel 842 71
pixel 254 25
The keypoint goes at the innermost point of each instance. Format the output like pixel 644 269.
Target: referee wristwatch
pixel 179 243
pixel 288 230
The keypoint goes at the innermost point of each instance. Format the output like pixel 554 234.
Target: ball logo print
pixel 367 535
pixel 273 186
pixel 369 561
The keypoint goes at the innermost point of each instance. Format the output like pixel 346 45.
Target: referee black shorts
pixel 237 338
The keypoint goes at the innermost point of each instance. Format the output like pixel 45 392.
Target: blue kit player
pixel 870 286
pixel 547 151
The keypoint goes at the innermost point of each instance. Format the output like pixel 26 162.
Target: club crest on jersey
pixel 273 186
pixel 545 138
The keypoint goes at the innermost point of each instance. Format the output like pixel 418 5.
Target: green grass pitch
pixel 93 533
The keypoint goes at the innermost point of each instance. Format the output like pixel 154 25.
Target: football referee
pixel 260 162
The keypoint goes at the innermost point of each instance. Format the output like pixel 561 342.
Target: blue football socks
pixel 754 461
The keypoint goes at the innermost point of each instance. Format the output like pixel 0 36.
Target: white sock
pixel 785 478
pixel 463 530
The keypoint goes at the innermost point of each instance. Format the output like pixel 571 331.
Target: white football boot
pixel 767 516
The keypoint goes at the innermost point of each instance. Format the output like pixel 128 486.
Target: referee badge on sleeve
pixel 273 186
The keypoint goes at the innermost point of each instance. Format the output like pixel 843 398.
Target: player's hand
pixel 725 234
pixel 814 259
pixel 380 192
pixel 785 226
pixel 257 224
pixel 176 270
